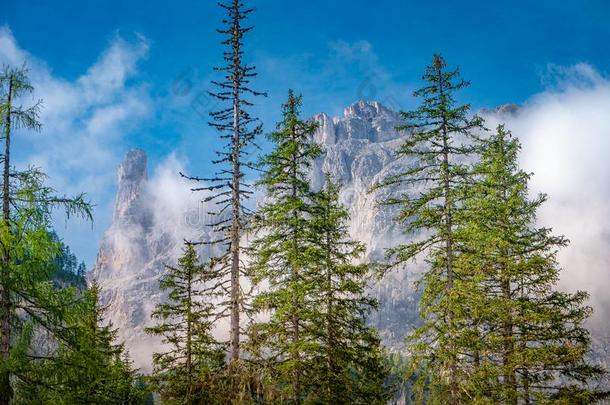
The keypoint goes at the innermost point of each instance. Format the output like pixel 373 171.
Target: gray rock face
pixel 359 150
pixel 132 176
pixel 130 260
pixel 362 120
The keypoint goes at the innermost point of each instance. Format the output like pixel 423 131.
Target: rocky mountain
pixel 130 259
pixel 358 151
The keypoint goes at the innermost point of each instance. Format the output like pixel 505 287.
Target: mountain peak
pixel 366 109
pixel 134 167
pixel 502 110
pixel 368 120
pixel 132 176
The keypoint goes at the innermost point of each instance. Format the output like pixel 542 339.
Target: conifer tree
pixel 187 372
pixel 282 259
pixel 88 367
pixel 349 367
pixel 533 341
pixel 442 136
pixel 230 189
pixel 26 246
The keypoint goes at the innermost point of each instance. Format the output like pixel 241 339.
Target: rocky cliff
pixel 131 258
pixel 358 150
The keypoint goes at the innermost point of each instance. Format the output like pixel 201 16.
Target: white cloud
pixel 9 51
pixel 178 211
pixel 565 132
pixel 84 121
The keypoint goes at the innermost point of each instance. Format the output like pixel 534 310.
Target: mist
pixel 565 134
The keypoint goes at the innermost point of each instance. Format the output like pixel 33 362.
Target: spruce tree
pixel 282 256
pixel 187 372
pixel 349 366
pixel 441 139
pixel 27 249
pixel 229 186
pixel 87 368
pixel 533 341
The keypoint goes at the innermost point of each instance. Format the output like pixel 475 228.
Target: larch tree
pixel 441 138
pixel 282 257
pixel 28 298
pixel 188 370
pixel 229 187
pixel 349 365
pixel 533 343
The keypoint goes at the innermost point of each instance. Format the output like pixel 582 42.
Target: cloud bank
pixel 565 132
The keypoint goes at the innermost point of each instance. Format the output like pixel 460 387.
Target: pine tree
pixel 282 259
pixel 26 246
pixel 442 136
pixel 533 341
pixel 239 128
pixel 88 368
pixel 349 366
pixel 187 372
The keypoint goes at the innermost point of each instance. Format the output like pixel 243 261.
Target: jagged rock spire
pixel 132 175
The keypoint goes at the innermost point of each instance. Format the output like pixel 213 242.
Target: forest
pixel 494 326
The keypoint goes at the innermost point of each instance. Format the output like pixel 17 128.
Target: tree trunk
pixel 507 355
pixel 235 231
pixel 236 206
pixel 525 379
pixel 329 316
pixel 296 378
pixel 189 320
pixel 453 381
pixel 6 391
pixel 508 332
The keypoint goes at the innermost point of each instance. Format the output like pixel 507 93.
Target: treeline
pixel 494 327
pixel 55 347
pixel 68 271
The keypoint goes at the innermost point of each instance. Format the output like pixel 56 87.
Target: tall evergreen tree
pixel 88 368
pixel 229 187
pixel 282 255
pixel 26 247
pixel 349 367
pixel 533 341
pixel 187 372
pixel 442 136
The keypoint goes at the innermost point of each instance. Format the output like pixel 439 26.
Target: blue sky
pixel 334 52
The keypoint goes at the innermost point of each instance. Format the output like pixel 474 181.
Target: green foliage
pixel 530 337
pixel 441 139
pixel 86 368
pixel 14 83
pixel 284 257
pixel 53 348
pixel 314 347
pixel 31 299
pixel 192 367
pixel 349 363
